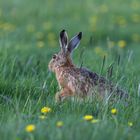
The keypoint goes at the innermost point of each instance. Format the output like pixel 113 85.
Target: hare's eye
pixel 54 56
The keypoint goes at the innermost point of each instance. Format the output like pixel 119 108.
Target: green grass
pixel 29 36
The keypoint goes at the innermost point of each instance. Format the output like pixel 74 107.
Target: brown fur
pixel 78 82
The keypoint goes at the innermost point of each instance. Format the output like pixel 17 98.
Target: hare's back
pixel 93 77
pixel 84 82
pixel 83 75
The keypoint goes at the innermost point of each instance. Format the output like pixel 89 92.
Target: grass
pixel 28 38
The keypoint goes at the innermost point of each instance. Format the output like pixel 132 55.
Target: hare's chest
pixel 62 79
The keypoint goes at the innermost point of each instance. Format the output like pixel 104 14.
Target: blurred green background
pixel 29 33
pixel 36 24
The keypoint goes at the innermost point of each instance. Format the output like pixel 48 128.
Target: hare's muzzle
pixel 50 66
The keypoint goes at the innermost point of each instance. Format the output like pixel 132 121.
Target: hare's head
pixel 63 58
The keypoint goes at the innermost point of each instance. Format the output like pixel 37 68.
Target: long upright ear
pixel 63 40
pixel 74 42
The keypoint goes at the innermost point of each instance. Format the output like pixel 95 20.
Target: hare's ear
pixel 63 40
pixel 74 42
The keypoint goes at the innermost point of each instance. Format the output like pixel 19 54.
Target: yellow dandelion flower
pixel 93 20
pixel 46 110
pixel 104 8
pixel 30 28
pixel 59 124
pixel 30 128
pixel 42 117
pixel 39 35
pixel 121 21
pixel 99 51
pixel 52 39
pixel 122 43
pixel 114 111
pixel 93 23
pixel 136 18
pixel 95 121
pixel 135 5
pixel 88 117
pixel 53 43
pixel 40 44
pixel 136 37
pixel 130 124
pixel 8 27
pixel 51 36
pixel 47 25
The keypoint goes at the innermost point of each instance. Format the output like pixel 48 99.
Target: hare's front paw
pixel 63 95
pixel 58 97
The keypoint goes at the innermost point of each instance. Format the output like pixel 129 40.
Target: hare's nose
pixel 54 56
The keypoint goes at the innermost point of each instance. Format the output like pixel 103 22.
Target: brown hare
pixel 78 82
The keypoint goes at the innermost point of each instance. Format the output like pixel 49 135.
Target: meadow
pixel 29 32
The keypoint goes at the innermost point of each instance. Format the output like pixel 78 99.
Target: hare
pixel 78 82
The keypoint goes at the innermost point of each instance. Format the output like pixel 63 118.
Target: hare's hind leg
pixel 63 94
